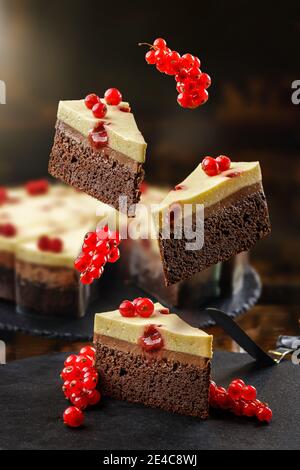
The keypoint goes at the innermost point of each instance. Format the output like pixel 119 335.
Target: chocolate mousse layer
pixel 49 290
pixel 104 174
pixel 173 381
pixel 230 227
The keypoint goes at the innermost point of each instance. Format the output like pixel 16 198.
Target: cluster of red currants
pixel 37 187
pixel 240 399
pixel 8 230
pixel 46 243
pixel 99 247
pixel 191 83
pixel 139 307
pixel 214 166
pixel 80 380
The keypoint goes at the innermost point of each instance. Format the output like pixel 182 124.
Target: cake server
pixel 235 332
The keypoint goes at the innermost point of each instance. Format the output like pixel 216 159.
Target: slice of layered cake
pixel 99 149
pixel 211 216
pixel 146 355
pixel 46 280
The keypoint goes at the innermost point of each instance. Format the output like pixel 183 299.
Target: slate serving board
pixel 31 405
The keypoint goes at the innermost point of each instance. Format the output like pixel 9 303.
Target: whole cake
pixel 159 361
pixel 101 153
pixel 233 212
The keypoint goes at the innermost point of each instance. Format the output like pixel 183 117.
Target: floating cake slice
pixel 159 361
pixel 234 217
pixel 102 157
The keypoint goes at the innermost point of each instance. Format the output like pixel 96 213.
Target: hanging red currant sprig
pixel 191 83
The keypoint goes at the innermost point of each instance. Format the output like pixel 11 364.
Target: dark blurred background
pixel 66 49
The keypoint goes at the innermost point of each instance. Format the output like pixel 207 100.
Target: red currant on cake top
pixel 37 187
pixel 91 99
pixel 8 230
pixel 56 245
pixel 99 110
pixel 223 162
pixel 210 166
pixel 127 309
pixel 73 417
pixel 3 195
pixel 113 96
pixel 144 307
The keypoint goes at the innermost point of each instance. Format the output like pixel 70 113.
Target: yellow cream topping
pixel 123 133
pixel 177 334
pixel 199 188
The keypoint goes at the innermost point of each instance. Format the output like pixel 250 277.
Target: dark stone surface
pixel 31 406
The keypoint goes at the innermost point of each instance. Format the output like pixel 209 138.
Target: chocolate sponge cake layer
pixel 7 276
pixel 172 381
pixel 103 174
pixel 57 292
pixel 228 230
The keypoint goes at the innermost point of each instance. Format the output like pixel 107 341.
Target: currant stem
pixel 146 44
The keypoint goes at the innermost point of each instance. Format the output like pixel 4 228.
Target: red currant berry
pixel 250 409
pixel 67 389
pixel 160 56
pixel 239 381
pixel 3 195
pixel 88 351
pixel 75 386
pixel 103 232
pixel 56 245
pixel 127 309
pixel 93 397
pixel 235 390
pixel 43 243
pixel 174 59
pixel 151 339
pixel 96 272
pixel 264 413
pixel 182 75
pixel 37 187
pixel 199 97
pixel 113 96
pixel 114 239
pixel 99 260
pixel 80 401
pixel 248 393
pixel 144 307
pixel 91 239
pixel 82 262
pixel 91 100
pixel 73 417
pixel 86 278
pixel 197 62
pixel 99 110
pixel 70 373
pixel 223 400
pixel 113 255
pixel 212 389
pixel 90 381
pixel 135 301
pixel 204 80
pixel 8 230
pixel 150 57
pixel 238 407
pixel 194 73
pixel 103 247
pixel 223 162
pixel 184 100
pixel 71 360
pixel 180 87
pixel 84 361
pixel 159 43
pixel 210 166
pixel 187 61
